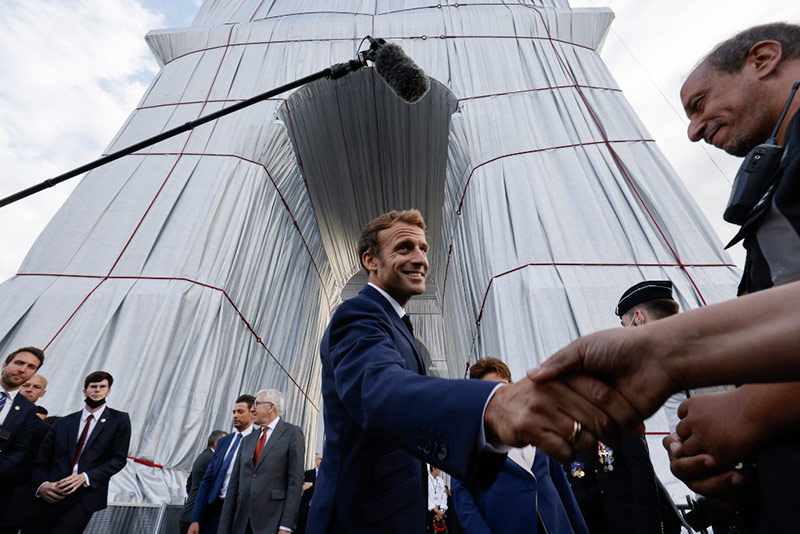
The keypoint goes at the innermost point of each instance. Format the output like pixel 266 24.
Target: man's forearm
pixel 748 339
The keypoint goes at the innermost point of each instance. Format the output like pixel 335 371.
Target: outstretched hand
pixel 629 360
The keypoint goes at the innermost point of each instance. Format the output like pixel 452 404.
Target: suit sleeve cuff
pixel 483 444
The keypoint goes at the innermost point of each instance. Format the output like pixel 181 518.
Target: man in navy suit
pixel 531 493
pixel 77 459
pixel 15 409
pixel 17 425
pixel 199 467
pixel 214 486
pixel 383 416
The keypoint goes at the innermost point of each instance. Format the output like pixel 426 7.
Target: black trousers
pixel 67 516
pixel 209 522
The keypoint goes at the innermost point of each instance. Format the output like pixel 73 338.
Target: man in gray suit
pixel 267 480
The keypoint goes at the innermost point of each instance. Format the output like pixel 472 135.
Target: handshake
pixel 609 382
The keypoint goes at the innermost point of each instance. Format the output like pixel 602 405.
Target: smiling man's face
pixel 402 266
pixel 726 110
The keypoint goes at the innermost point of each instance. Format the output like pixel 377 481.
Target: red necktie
pixel 260 446
pixel 82 441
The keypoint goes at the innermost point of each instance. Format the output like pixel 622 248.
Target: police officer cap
pixel 643 292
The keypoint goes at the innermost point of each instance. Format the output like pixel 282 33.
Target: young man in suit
pixel 199 467
pixel 214 486
pixel 267 480
pixel 77 459
pixel 19 426
pixel 383 417
pixel 531 493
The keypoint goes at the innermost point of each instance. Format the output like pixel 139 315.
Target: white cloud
pixel 651 48
pixel 72 73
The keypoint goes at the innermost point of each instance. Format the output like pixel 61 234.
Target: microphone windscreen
pixel 401 74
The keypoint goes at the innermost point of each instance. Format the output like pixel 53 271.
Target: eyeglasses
pixel 256 404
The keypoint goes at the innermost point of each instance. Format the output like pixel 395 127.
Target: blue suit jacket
pixel 15 434
pixel 104 454
pixel 511 504
pixel 382 416
pixel 213 478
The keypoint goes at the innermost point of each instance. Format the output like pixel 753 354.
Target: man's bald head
pixel 34 388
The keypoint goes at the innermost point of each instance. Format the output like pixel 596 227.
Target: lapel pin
pixel 103 420
pixel 16 408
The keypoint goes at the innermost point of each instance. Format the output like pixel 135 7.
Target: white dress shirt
pixel 9 401
pixel 96 416
pixel 246 432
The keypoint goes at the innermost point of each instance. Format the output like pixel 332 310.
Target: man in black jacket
pixel 199 467
pixel 78 458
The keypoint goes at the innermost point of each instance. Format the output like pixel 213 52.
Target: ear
pixel 764 58
pixel 370 261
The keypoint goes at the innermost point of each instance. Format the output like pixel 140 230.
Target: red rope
pixel 388 38
pixel 141 220
pixel 613 153
pixel 550 88
pixel 145 462
pixel 463 99
pixel 535 150
pixel 191 281
pixel 277 190
pixel 217 101
pixel 300 165
pixel 589 264
pixel 256 11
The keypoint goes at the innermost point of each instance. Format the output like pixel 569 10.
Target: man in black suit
pixel 17 422
pixel 196 476
pixel 76 460
pixel 309 477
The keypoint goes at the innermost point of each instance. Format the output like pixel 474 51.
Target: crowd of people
pixel 558 451
pixel 54 471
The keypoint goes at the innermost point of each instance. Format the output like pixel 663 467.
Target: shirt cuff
pixel 483 444
pixel 40 489
pixel 87 483
pixel 286 529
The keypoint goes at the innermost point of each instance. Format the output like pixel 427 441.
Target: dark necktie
pixel 260 446
pixel 3 397
pixel 230 454
pixel 407 321
pixel 82 441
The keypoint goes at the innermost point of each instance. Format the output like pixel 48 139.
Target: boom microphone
pixel 399 71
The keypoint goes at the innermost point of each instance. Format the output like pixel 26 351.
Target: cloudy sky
pixel 73 70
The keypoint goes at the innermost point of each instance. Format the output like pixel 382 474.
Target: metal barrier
pixel 133 518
